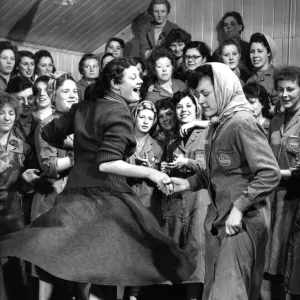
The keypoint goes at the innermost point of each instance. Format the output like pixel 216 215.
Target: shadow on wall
pixel 132 47
pixel 21 29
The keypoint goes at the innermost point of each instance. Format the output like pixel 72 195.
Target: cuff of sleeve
pixel 193 182
pixel 242 203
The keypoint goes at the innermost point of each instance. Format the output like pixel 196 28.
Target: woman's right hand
pixel 162 181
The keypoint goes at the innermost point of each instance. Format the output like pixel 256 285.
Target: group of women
pixel 174 175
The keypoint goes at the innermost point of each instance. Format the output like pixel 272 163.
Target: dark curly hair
pixel 164 104
pixel 156 55
pixel 154 2
pixel 202 48
pixel 203 71
pixel 227 43
pixel 18 84
pixel 291 73
pixel 5 45
pixel 42 53
pixel 84 58
pixel 115 39
pixel 19 56
pixel 255 90
pixel 237 16
pixel 10 100
pixel 114 70
pixel 177 35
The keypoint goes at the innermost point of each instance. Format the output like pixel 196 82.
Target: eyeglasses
pixel 193 57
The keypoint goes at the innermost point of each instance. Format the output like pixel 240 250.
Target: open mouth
pixel 136 90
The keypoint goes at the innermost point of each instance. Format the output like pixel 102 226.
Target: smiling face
pixel 163 69
pixel 207 97
pixel 289 94
pixel 186 110
pixel 26 101
pixel 26 66
pixel 160 13
pixel 7 62
pixel 231 56
pixel 259 56
pixel 130 86
pixel 42 98
pixel 115 48
pixel 177 48
pixel 7 118
pixel 44 66
pixel 167 119
pixel 66 95
pixel 90 68
pixel 193 59
pixel 231 27
pixel 144 121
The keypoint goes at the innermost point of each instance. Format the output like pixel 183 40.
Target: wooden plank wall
pixel 278 18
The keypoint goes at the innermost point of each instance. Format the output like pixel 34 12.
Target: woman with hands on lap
pixel 241 172
pixel 98 230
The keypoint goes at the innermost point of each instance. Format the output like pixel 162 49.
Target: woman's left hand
pixel 179 162
pixel 233 223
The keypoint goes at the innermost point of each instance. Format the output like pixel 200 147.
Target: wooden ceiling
pixel 82 27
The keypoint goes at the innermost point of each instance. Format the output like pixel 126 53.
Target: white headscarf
pixel 228 91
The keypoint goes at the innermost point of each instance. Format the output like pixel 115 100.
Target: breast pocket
pixel 200 158
pixel 228 160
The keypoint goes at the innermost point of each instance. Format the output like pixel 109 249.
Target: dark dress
pixel 97 230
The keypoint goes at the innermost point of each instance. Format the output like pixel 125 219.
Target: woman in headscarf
pixel 262 54
pixel 241 172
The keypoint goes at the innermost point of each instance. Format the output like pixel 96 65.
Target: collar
pixel 13 144
pixel 3 79
pixel 83 82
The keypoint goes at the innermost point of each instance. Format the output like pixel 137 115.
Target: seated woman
pixel 229 53
pixel 258 97
pixel 115 46
pixel 24 64
pixel 184 213
pixel 98 230
pixel 167 122
pixel 7 62
pixel 262 53
pixel 44 64
pixel 161 68
pixel 241 172
pixel 89 69
pixel 153 34
pixel 14 154
pixel 195 54
pixel 176 41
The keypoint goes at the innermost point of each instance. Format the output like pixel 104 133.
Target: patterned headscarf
pixel 144 105
pixel 228 92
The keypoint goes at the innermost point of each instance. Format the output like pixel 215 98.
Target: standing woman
pixel 7 62
pixel 184 213
pixel 161 68
pixel 284 140
pixel 153 33
pixel 262 53
pixel 25 64
pixel 98 230
pixel 44 63
pixel 89 69
pixel 241 172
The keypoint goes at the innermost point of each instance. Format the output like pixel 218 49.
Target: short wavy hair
pixel 5 45
pixel 237 16
pixel 227 43
pixel 177 35
pixel 202 48
pixel 203 71
pixel 19 56
pixel 42 53
pixel 156 55
pixel 291 73
pixel 10 100
pixel 84 58
pixel 154 2
pixel 164 104
pixel 18 84
pixel 178 96
pixel 114 70
pixel 115 39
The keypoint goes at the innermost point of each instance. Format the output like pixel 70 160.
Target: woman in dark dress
pixel 98 231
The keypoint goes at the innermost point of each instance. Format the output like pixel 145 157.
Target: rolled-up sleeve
pixel 252 142
pixel 198 181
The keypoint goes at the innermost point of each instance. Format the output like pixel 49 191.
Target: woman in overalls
pixel 241 172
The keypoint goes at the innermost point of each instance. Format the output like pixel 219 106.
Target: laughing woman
pixel 98 230
pixel 241 172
